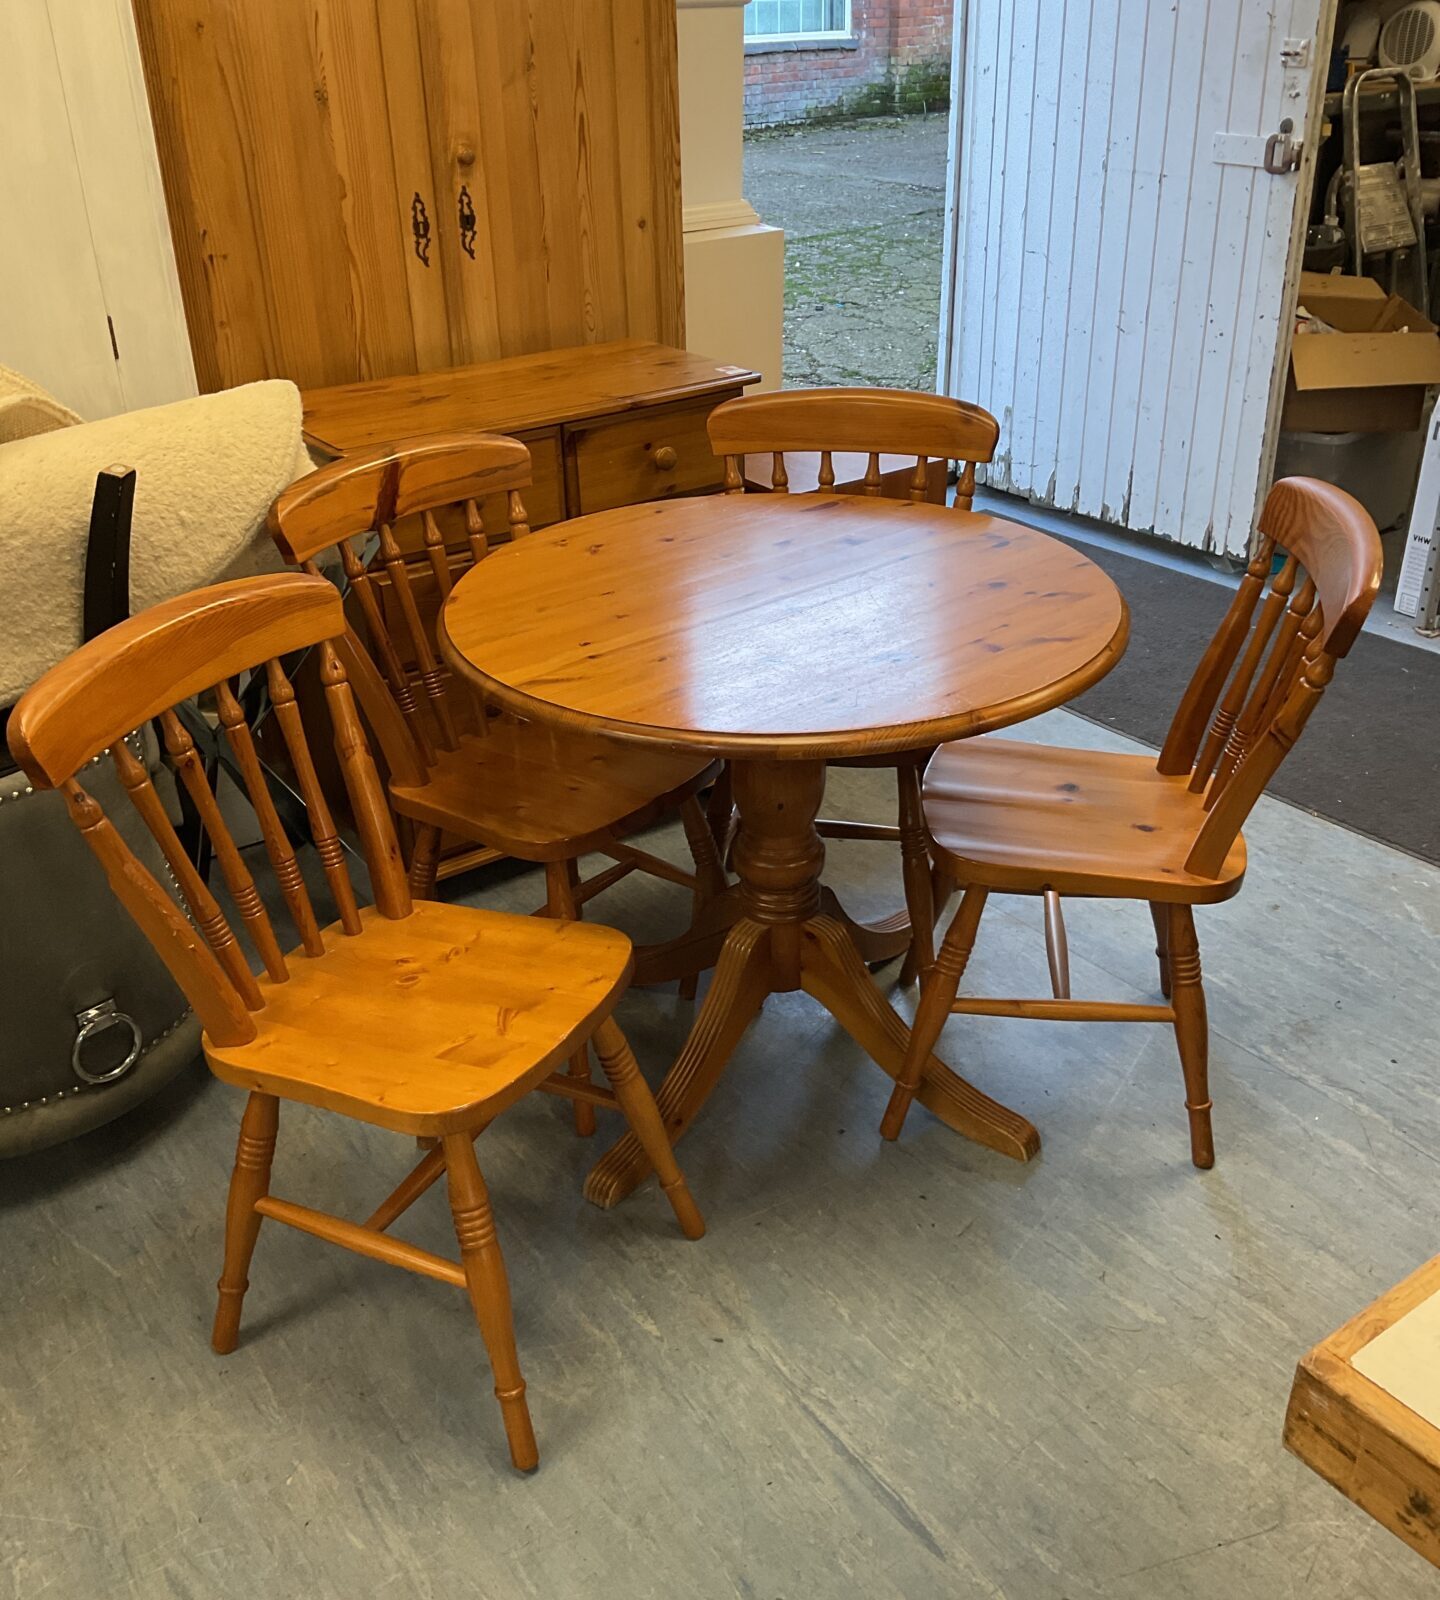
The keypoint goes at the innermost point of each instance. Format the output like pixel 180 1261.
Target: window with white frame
pixel 797 19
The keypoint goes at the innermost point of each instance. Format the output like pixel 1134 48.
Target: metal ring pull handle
pixel 1282 153
pixel 96 1020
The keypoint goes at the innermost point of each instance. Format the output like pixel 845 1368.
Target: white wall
pixel 734 263
pixel 86 231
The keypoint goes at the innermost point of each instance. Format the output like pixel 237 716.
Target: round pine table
pixel 782 632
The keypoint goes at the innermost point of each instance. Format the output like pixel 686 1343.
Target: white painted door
pixel 1118 283
pixel 89 297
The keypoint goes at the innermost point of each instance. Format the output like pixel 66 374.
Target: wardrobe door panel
pixel 519 227
pixel 192 66
pixel 353 72
pixel 298 192
pixel 648 143
pixel 359 188
pixel 413 197
pixel 462 171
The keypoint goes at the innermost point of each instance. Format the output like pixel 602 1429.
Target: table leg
pixel 878 942
pixel 791 935
pixel 834 974
pixel 693 951
pixel 743 977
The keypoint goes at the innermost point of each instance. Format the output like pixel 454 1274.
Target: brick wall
pixel 898 60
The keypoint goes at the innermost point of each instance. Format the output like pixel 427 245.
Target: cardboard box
pixel 1369 377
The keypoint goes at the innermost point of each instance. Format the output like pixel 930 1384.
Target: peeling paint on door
pixel 1125 300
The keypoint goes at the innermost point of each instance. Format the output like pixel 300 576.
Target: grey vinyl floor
pixel 888 1371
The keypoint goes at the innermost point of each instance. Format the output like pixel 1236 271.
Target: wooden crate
pixel 1365 1410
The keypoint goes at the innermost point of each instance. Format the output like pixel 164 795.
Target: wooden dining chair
pixel 516 788
pixel 416 1016
pixel 877 423
pixel 1006 817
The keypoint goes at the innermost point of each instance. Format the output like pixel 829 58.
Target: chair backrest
pixel 142 669
pixel 445 481
pixel 1271 658
pixel 874 422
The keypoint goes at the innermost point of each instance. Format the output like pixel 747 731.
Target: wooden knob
pixel 664 458
pixel 465 154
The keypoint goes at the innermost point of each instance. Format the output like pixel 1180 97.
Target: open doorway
pixel 846 107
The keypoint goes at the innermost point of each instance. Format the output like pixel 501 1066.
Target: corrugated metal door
pixel 1117 256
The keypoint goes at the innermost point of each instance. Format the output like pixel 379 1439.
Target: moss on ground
pixel 862 305
pixel 862 300
pixel 916 88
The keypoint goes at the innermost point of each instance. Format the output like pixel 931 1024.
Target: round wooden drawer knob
pixel 665 458
pixel 465 154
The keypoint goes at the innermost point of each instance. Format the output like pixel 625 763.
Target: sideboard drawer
pixel 649 455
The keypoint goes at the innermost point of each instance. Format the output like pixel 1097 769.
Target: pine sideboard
pixel 606 425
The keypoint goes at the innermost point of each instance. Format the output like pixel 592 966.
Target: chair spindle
pixel 322 823
pixel 1277 672
pixel 367 794
pixel 965 487
pixel 383 645
pixel 1197 705
pixel 435 550
pixel 1233 699
pixel 204 907
pixel 222 1013
pixel 432 677
pixel 475 534
pixel 180 747
pixel 277 845
pixel 479 543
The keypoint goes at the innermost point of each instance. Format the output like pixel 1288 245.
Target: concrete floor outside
pixel 863 209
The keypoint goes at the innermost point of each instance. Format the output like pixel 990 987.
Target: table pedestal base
pixel 790 934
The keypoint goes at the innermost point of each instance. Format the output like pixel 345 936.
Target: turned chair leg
pixel 938 988
pixel 561 878
pixel 915 866
pixel 489 1292
pixel 1057 946
pixel 249 1182
pixel 425 862
pixel 709 874
pixel 643 1115
pixel 1160 915
pixel 1192 1032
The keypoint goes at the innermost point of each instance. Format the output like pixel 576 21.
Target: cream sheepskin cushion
pixel 26 409
pixel 206 472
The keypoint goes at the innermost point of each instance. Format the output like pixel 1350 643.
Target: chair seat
pixel 1023 818
pixel 543 796
pixel 414 1023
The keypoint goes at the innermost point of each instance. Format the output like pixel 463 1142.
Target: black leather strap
pixel 107 569
pixel 107 556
